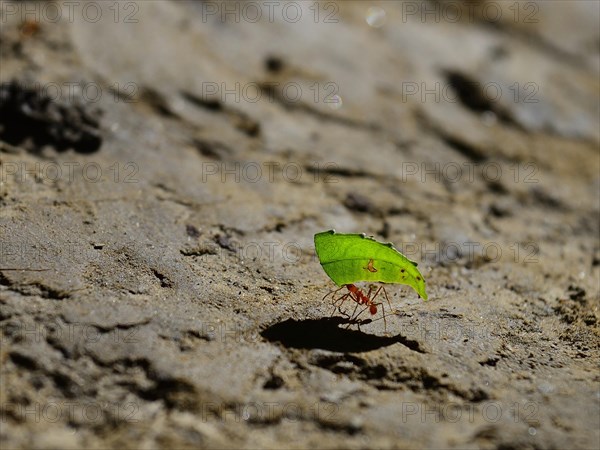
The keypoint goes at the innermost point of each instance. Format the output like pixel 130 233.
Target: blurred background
pixel 164 166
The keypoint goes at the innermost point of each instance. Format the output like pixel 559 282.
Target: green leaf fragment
pixel 350 258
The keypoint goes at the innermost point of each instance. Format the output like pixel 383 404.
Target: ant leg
pixel 388 300
pixel 382 289
pixel 357 299
pixel 383 312
pixel 332 293
pixel 334 300
pixel 352 319
pixel 337 304
pixel 355 318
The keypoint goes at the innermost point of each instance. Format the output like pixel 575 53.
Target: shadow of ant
pixel 326 334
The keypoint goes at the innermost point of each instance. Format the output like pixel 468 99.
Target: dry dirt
pixel 163 170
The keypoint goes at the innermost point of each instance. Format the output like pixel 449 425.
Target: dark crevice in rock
pixel 192 231
pixel 30 119
pixel 469 151
pixel 172 391
pixel 537 41
pixel 22 360
pixel 471 96
pixel 333 170
pixel 175 393
pixel 542 197
pixel 200 335
pixel 492 361
pixel 4 281
pixel 428 382
pixel 338 426
pixel 212 149
pixel 273 383
pixel 274 64
pixel 244 123
pixel 163 279
pixel 36 288
pixel 225 242
pixel 275 95
pixel 210 105
pixel 359 203
pixel 157 102
pixel 64 384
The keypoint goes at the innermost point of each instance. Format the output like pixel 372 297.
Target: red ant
pixel 355 294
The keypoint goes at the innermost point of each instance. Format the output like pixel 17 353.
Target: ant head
pixel 352 288
pixel 373 310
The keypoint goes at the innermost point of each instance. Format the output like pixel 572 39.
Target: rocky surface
pixel 164 168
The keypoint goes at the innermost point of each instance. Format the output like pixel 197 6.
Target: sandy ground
pixel 165 165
